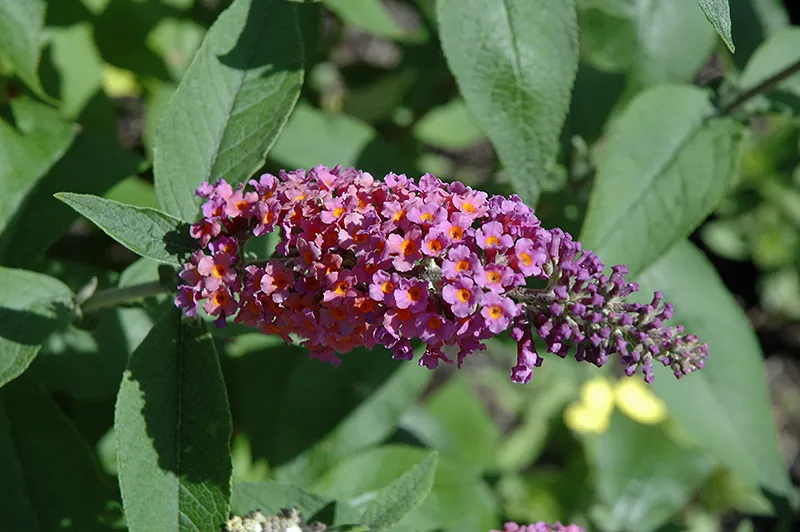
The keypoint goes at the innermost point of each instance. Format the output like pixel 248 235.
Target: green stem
pixel 763 87
pixel 113 297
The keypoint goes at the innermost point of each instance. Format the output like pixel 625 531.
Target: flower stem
pixel 114 297
pixel 763 87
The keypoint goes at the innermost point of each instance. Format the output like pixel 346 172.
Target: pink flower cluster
pixel 364 262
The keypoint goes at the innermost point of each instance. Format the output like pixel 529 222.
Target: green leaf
pixel 375 413
pixel 231 104
pixel 718 13
pixel 271 497
pixel 402 496
pixel 449 126
pixel 315 137
pixel 673 42
pixel 472 434
pixel 27 152
pixel 51 478
pixel 663 170
pixel 32 306
pixel 147 232
pixel 459 498
pixel 643 476
pixel 724 407
pixel 77 74
pixel 173 428
pixel 372 17
pixel 780 51
pixel 515 63
pixel 92 165
pixel 753 22
pixel 21 23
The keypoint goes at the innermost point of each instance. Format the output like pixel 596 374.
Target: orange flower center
pixel 434 323
pixel 219 270
pixel 241 205
pixel 399 215
pixel 414 293
pixel 464 295
pixel 341 288
pixel 456 233
pixel 493 277
pixel 525 259
pixel 338 211
pixel 371 268
pixel 268 217
pixel 462 266
pixel 495 312
pixel 492 241
pixel 360 237
pixel 404 314
pixel 435 245
pixel 365 306
pixel 426 217
pixel 220 298
pixel 279 282
pixel 468 207
pixel 408 247
pixel 228 248
pixel 387 287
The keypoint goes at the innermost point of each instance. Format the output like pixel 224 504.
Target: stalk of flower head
pixel 365 262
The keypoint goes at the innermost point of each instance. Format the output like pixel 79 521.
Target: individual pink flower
pixel 383 287
pixel 277 280
pixel 460 261
pixel 406 249
pixel 492 236
pixel 498 312
pixel 495 277
pixel 412 294
pixel 463 296
pixel 435 243
pixel 528 258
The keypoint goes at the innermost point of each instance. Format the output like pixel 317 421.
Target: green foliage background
pixel 618 119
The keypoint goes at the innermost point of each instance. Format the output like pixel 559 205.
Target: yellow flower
pixel 591 414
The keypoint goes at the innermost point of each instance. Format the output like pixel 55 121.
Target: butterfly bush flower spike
pixel 367 262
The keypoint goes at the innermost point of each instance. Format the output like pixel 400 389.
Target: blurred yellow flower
pixel 119 83
pixel 638 402
pixel 592 412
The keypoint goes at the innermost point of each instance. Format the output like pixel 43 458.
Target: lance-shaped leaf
pixel 50 476
pixel 403 495
pixel 21 23
pixel 27 150
pixel 515 63
pixel 231 104
pixel 32 306
pixel 718 13
pixel 148 232
pixel 725 406
pixel 173 427
pixel 663 170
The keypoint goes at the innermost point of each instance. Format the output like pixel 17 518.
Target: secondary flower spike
pixel 366 262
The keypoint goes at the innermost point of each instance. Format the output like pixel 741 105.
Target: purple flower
pixel 463 296
pixel 498 312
